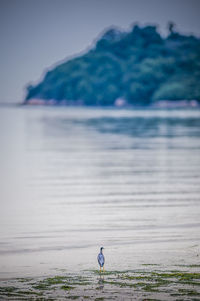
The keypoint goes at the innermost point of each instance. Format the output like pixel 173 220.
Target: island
pixel 136 68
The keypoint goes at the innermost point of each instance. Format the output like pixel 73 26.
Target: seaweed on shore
pixel 92 285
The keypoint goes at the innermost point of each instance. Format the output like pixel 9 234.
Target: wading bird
pixel 101 259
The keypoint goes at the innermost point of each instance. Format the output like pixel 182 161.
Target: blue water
pixel 75 179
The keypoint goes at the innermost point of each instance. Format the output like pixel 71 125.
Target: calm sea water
pixel 75 179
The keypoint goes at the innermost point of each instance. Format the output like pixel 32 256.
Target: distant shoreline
pixel 163 104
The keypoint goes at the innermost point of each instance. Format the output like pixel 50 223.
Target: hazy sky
pixel 36 34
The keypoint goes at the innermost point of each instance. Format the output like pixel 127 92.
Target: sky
pixel 37 34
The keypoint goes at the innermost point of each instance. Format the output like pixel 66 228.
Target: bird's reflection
pixel 100 282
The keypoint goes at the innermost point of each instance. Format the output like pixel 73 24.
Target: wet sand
pixel 150 282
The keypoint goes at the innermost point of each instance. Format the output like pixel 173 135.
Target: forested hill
pixel 139 66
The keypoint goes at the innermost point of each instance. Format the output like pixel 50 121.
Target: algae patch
pixel 153 284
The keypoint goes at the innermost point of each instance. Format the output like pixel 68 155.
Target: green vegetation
pixel 139 67
pixel 97 272
pixel 114 285
pixel 67 287
pixel 182 276
pixel 189 265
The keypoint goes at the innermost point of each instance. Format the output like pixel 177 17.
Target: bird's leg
pixel 103 269
pixel 100 269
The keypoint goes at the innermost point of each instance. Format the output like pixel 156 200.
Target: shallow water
pixel 74 179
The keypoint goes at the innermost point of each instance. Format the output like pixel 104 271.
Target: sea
pixel 74 179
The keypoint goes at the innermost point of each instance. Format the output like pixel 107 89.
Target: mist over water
pixel 75 179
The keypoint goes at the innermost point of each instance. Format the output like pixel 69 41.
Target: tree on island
pixel 139 67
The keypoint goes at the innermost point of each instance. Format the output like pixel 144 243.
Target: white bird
pixel 101 259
